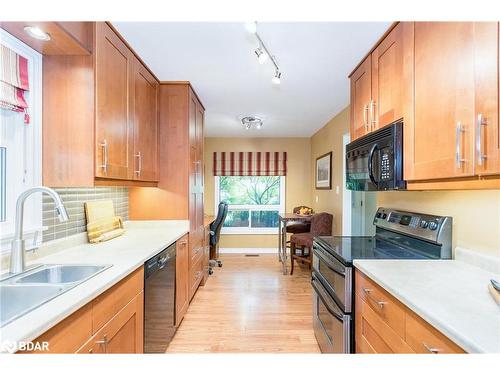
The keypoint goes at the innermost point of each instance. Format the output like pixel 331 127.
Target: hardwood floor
pixel 249 306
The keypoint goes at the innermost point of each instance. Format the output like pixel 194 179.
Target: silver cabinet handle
pixel 365 116
pixel 380 304
pixel 104 342
pixel 104 146
pixel 481 121
pixel 458 155
pixel 139 163
pixel 430 349
pixel 373 120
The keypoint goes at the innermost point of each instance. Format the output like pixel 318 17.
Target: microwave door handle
pixel 370 165
pixel 322 297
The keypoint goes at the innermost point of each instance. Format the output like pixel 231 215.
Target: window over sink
pixel 254 203
pixel 20 153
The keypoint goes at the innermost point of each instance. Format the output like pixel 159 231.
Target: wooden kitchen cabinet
pixel 113 125
pixel 122 334
pixel 442 132
pixel 361 99
pixel 100 112
pixel 181 279
pixel 111 323
pixel 381 85
pixel 385 325
pixel 180 192
pixel 144 100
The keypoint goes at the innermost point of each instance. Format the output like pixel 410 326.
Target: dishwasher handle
pixel 159 261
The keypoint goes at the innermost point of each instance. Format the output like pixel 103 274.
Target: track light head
pixel 251 27
pixel 261 55
pixel 277 77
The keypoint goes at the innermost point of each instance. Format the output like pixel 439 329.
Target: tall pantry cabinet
pixel 179 195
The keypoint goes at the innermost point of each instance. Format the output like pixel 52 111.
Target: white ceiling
pixel 218 59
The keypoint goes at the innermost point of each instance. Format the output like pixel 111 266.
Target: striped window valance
pixel 249 164
pixel 14 81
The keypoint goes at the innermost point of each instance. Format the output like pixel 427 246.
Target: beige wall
pixel 329 138
pixel 298 189
pixel 476 214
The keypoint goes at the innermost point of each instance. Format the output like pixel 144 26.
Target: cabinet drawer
pixel 373 335
pixel 390 310
pixel 116 298
pixel 195 276
pixel 59 341
pixel 423 338
pixel 195 253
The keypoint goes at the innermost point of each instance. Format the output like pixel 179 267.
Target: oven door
pixel 334 275
pixel 332 327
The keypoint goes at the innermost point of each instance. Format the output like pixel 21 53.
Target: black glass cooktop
pixel 385 245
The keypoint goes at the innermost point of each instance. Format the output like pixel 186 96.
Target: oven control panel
pixel 424 226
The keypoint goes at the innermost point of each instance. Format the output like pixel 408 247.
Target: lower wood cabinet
pixel 181 278
pixel 384 325
pixel 111 323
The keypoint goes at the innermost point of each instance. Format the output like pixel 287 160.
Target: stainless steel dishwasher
pixel 159 301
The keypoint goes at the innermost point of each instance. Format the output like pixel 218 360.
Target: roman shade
pixel 14 81
pixel 249 164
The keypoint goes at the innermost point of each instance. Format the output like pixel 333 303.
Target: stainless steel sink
pixel 22 293
pixel 17 300
pixel 60 274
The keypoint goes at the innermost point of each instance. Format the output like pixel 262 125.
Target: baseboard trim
pixel 248 250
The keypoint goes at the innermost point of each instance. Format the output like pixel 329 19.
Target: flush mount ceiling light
pixel 37 33
pixel 252 122
pixel 262 52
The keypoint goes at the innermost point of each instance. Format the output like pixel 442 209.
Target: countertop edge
pixel 73 307
pixel 458 339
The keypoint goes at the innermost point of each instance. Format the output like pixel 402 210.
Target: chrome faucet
pixel 17 251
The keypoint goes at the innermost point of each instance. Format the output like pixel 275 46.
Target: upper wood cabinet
pixel 113 123
pixel 144 100
pixel 381 84
pixel 100 116
pixel 444 100
pixel 361 99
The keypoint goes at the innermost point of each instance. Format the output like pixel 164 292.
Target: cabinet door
pixel 486 130
pixel 112 122
pixel 391 77
pixel 144 96
pixel 123 333
pixel 444 101
pixel 360 99
pixel 181 279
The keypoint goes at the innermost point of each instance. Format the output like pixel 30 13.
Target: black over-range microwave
pixel 375 161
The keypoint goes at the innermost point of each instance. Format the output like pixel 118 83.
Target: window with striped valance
pixel 249 164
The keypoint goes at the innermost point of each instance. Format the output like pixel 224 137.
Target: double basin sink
pixel 24 292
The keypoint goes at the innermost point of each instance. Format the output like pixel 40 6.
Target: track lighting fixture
pixel 277 77
pixel 262 52
pixel 261 55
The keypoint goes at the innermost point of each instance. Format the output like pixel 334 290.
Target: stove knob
pixel 433 225
pixel 384 216
pixel 424 224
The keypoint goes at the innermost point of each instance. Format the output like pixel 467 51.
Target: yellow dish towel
pixel 102 224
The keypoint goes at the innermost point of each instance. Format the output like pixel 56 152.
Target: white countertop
pixel 450 295
pixel 142 240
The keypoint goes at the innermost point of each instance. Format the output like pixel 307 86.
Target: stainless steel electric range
pixel 399 235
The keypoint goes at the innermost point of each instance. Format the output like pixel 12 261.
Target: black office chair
pixel 215 229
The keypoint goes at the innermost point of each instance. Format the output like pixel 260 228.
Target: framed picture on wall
pixel 324 171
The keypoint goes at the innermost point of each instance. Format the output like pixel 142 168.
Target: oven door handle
pixel 370 164
pixel 329 264
pixel 321 295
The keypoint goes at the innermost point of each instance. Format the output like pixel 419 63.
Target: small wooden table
pixel 284 219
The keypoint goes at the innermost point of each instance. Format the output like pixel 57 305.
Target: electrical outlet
pixel 337 189
pixel 317 199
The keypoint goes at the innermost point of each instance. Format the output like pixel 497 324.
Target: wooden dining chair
pixel 301 244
